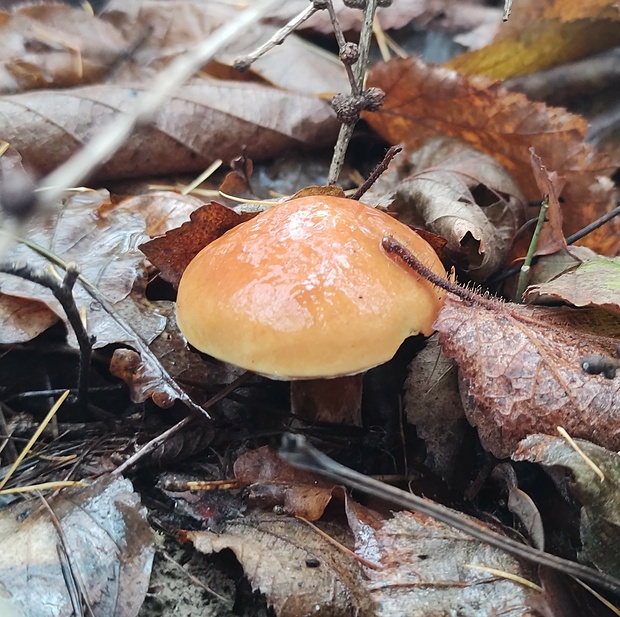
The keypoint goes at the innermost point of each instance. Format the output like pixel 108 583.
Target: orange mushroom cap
pixel 304 290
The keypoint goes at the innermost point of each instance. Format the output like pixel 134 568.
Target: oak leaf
pixel 172 252
pixel 423 101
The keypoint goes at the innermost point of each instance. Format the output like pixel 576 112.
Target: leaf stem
pixel 524 274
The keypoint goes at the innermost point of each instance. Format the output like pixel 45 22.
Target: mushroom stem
pixel 337 400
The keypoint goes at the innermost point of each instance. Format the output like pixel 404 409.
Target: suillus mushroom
pixel 304 292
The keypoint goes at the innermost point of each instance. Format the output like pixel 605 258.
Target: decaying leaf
pixel 600 499
pixel 428 569
pixel 205 120
pixel 423 102
pixel 22 319
pixel 451 15
pixel 300 572
pixel 593 283
pixel 542 45
pixel 103 558
pixel 144 380
pixel 55 45
pixel 273 481
pixel 461 195
pixel 172 252
pixel 520 371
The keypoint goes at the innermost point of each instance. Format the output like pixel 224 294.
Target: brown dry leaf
pixel 593 283
pixel 462 195
pixel 55 46
pixel 205 120
pixel 279 556
pixel 540 46
pixel 600 500
pixel 106 551
pixel 273 481
pixel 428 568
pixel 520 371
pixel 423 102
pixel 22 319
pixel 172 252
pixel 144 379
pixel 551 239
pixel 103 241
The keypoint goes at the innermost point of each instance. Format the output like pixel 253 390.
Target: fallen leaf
pixel 462 195
pixel 423 102
pixel 106 552
pixel 205 120
pixel 144 380
pixel 102 240
pixel 450 15
pixel 543 44
pixel 550 185
pixel 600 500
pixel 171 253
pixel 428 568
pixel 520 371
pixel 170 29
pixel 530 11
pixel 55 46
pixel 300 572
pixel 595 282
pixel 273 481
pixel 22 319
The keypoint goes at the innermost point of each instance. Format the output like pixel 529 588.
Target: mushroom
pixel 304 292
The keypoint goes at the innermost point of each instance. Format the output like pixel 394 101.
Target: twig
pixel 243 63
pixel 377 171
pixel 393 247
pixel 298 452
pixel 359 72
pixel 63 292
pixel 582 233
pixel 73 578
